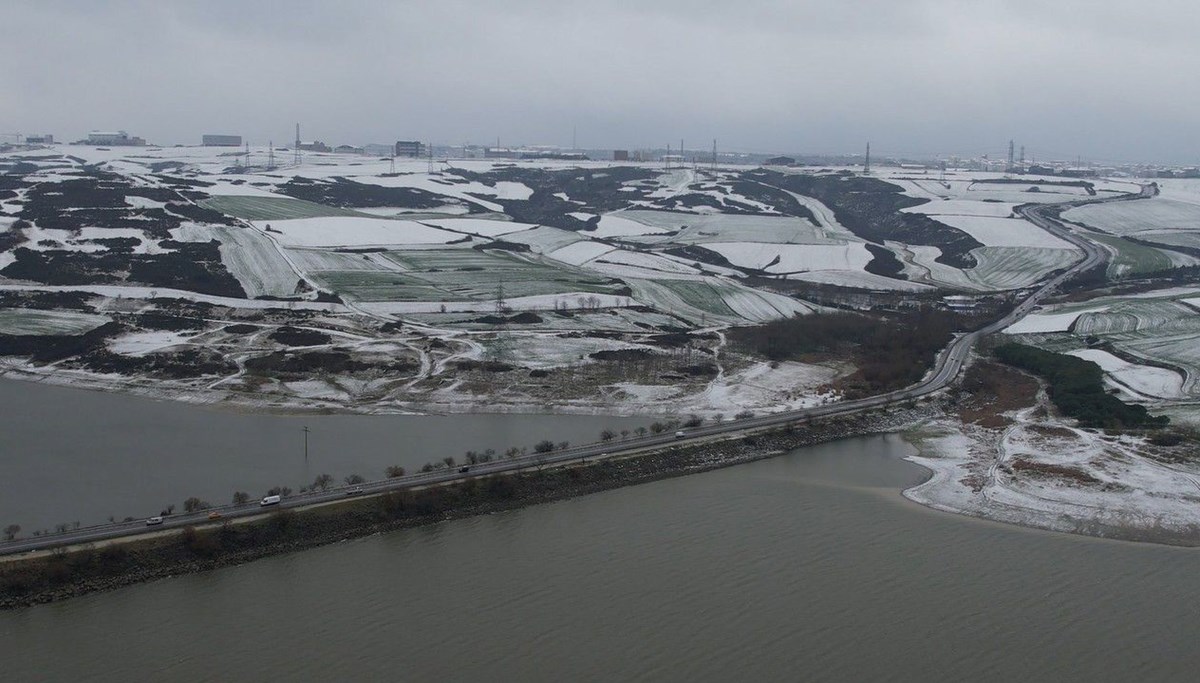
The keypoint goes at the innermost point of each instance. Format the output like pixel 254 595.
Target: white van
pixel 270 500
pixel 153 521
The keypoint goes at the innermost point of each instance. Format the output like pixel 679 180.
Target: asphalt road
pixel 948 365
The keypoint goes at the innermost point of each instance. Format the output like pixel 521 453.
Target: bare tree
pixel 641 431
pixel 394 471
pixel 607 435
pixel 193 504
pixel 448 461
pixel 323 482
pixel 11 531
pixel 354 479
pixel 624 434
pixel 240 497
pixel 564 445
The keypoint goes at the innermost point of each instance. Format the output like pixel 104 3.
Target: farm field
pixel 1157 328
pixel 33 322
pixel 257 208
pixel 1131 258
pixel 251 257
pixel 1157 214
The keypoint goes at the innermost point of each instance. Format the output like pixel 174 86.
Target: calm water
pixel 68 454
pixel 805 567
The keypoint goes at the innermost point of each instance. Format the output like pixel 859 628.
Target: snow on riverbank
pixel 1049 475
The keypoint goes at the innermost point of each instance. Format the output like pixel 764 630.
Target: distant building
pixel 221 140
pixel 379 150
pixel 315 146
pixel 499 153
pixel 114 139
pixel 781 161
pixel 958 302
pixel 620 155
pixel 409 148
pixel 44 139
pixel 1078 172
pixel 1035 169
pixel 348 149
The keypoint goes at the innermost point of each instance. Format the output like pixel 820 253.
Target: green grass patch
pixel 271 208
pixel 1131 258
pixel 31 322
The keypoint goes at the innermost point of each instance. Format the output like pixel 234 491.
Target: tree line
pixel 1076 387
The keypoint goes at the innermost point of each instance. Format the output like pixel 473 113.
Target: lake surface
pixel 71 455
pixel 809 566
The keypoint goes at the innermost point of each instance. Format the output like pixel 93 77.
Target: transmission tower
pixel 1022 156
pixel 867 160
pixel 714 159
pixel 1011 161
pixel 429 152
pixel 499 350
pixel 270 155
pixel 296 155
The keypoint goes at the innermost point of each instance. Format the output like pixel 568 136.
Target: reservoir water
pixel 70 455
pixel 809 566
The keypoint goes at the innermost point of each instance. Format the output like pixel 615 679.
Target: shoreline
pixel 944 454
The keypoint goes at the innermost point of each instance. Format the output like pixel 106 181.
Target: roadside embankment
pixel 62 574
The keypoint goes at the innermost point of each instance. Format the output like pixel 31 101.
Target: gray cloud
pixel 1106 80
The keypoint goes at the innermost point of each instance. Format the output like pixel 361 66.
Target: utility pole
pixel 714 163
pixel 867 161
pixel 429 150
pixel 270 155
pixel 306 444
pixel 1009 169
pixel 296 149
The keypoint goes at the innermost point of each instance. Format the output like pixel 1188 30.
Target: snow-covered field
pixel 794 258
pixel 1159 326
pixel 1144 380
pixel 1158 214
pixel 1005 232
pixel 349 231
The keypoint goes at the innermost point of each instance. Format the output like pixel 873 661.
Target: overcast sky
pixel 1103 80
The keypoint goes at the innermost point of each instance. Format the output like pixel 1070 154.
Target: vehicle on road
pixel 270 500
pixel 214 515
pixel 465 468
pixel 357 490
pixel 154 520
pixel 680 434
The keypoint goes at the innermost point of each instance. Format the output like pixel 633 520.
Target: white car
pixel 154 520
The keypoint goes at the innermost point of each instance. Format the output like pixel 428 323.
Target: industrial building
pixel 781 161
pixel 221 140
pixel 114 139
pixel 620 155
pixel 44 139
pixel 409 148
pixel 315 146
